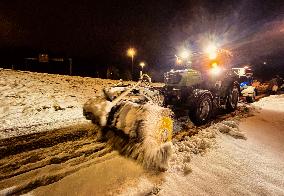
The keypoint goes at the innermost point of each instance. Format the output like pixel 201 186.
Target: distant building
pixel 45 63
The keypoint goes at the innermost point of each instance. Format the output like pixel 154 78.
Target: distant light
pixel 264 62
pixel 246 67
pixel 179 61
pixel 142 64
pixel 131 52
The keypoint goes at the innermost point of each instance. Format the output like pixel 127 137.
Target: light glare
pixel 215 70
pixel 211 50
pixel 142 64
pixel 179 61
pixel 184 54
pixel 131 52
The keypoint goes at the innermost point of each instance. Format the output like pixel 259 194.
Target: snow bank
pixel 32 102
pixel 273 103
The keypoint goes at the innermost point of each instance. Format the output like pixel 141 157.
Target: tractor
pixel 201 93
pixel 144 125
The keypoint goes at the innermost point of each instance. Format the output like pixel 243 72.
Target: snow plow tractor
pixel 203 84
pixel 201 93
pixel 141 129
pixel 137 112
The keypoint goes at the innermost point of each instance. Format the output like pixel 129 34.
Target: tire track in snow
pixel 34 160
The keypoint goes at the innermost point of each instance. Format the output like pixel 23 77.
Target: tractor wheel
pixel 202 111
pixel 233 98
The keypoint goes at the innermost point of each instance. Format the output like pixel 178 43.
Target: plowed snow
pixel 58 152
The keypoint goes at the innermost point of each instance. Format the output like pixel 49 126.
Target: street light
pixel 142 64
pixel 131 52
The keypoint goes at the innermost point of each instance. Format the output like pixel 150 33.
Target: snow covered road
pixel 254 166
pixel 57 152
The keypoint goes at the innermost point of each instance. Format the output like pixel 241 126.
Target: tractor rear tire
pixel 233 98
pixel 202 110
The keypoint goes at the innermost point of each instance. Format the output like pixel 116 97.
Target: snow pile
pixel 33 102
pixel 231 128
pixel 200 144
pixel 273 103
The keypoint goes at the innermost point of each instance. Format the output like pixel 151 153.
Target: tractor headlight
pixel 215 69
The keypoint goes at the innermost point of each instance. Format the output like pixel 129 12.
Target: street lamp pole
pixel 142 64
pixel 132 56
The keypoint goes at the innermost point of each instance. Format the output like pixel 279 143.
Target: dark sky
pixel 99 32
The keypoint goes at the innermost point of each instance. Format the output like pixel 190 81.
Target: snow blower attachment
pixel 141 129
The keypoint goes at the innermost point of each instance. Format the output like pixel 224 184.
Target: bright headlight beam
pixel 211 50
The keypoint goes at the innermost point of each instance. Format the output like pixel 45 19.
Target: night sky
pixel 96 34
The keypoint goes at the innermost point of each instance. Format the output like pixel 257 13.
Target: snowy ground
pixel 32 102
pixel 233 156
